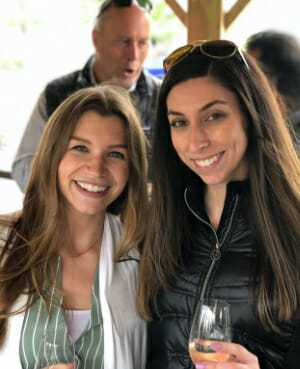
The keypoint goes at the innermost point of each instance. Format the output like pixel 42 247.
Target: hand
pixel 61 366
pixel 240 358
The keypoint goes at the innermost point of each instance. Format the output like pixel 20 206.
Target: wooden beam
pixel 4 174
pixel 236 9
pixel 204 19
pixel 177 9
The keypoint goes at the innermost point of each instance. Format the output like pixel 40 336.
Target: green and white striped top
pixel 89 347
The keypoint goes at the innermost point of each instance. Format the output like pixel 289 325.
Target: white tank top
pixel 77 320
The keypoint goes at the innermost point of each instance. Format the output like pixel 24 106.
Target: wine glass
pixel 52 353
pixel 211 323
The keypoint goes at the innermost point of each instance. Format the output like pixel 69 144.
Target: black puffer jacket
pixel 218 266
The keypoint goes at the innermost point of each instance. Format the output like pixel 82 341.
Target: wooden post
pixel 236 9
pixel 204 19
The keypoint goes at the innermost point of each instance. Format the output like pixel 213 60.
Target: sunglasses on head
pixel 122 4
pixel 217 49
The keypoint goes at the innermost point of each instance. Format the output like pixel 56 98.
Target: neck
pixel 96 68
pixel 85 235
pixel 214 203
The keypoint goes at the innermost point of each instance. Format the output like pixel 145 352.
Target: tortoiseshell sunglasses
pixel 217 49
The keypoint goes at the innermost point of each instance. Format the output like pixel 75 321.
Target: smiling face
pixel 208 130
pixel 121 44
pixel 94 170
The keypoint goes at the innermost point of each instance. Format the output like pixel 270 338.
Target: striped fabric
pixel 89 346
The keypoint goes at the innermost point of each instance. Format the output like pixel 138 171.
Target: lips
pixel 209 162
pixel 91 187
pixel 128 72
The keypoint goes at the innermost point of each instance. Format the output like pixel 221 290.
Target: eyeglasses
pixel 217 49
pixel 123 3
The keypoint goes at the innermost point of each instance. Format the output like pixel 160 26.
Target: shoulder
pixel 151 81
pixel 63 81
pixel 77 79
pixel 60 88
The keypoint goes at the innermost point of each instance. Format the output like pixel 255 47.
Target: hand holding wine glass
pixel 210 336
pixel 211 323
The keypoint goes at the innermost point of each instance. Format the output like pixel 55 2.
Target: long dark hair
pixel 274 174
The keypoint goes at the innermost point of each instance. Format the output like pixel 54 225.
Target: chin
pixel 127 85
pixel 213 181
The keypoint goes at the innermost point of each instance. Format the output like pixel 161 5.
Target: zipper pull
pixel 216 253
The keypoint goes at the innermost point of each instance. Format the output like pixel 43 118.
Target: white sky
pixel 258 15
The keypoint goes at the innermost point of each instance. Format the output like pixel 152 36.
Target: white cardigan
pixel 124 331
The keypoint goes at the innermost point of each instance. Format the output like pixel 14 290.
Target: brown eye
pixel 178 123
pixel 215 116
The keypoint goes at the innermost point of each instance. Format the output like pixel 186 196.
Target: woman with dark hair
pixel 225 212
pixel 68 261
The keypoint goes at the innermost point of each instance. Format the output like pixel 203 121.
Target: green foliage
pixel 165 24
pixel 146 4
pixel 11 64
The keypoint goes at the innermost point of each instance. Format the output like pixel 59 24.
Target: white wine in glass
pixel 211 323
pixel 50 353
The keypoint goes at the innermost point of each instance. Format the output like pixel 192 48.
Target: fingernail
pixel 215 346
pixel 200 366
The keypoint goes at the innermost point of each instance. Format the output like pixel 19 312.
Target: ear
pixel 96 40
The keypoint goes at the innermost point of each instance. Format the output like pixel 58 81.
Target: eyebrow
pixel 124 146
pixel 205 107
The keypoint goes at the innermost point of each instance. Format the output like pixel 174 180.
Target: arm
pixel 30 140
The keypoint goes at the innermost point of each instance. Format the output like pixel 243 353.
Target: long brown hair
pixel 29 252
pixel 274 174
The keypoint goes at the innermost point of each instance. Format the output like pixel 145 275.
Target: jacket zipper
pixel 216 253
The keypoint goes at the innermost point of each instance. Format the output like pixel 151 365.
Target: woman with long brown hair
pixel 225 213
pixel 68 259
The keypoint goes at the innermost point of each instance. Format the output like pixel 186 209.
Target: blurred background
pixel 44 39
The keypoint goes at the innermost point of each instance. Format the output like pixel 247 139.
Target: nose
pixel 197 137
pixel 97 166
pixel 133 51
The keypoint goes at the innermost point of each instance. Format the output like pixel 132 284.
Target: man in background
pixel 121 40
pixel 278 55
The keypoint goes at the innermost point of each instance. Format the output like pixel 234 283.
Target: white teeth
pixel 207 162
pixel 91 188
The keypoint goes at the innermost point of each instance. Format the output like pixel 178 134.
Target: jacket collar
pixel 87 75
pixel 194 194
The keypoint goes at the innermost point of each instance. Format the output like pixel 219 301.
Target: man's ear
pixel 96 40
